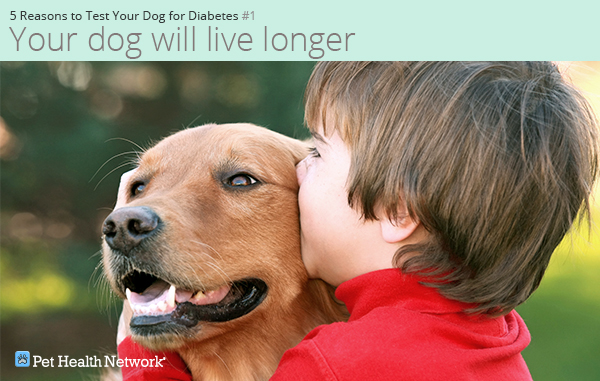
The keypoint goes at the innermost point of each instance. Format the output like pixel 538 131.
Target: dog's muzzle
pixel 159 305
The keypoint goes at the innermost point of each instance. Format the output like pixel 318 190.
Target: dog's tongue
pixel 155 293
pixel 161 298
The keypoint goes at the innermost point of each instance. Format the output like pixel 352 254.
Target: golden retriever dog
pixel 204 243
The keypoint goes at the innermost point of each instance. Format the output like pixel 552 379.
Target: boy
pixel 434 198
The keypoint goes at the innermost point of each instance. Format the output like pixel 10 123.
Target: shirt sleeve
pixel 141 364
pixel 305 362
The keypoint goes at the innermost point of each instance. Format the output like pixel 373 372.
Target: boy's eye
pixel 313 152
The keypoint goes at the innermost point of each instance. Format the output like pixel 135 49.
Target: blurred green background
pixel 62 121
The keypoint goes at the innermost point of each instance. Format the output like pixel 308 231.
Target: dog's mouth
pixel 161 307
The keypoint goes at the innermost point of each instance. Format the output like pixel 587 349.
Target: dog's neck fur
pixel 269 335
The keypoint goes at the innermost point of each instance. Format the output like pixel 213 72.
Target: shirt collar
pixel 391 287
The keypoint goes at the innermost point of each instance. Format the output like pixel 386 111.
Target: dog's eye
pixel 137 188
pixel 241 180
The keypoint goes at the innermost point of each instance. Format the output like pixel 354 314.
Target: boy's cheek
pixel 308 259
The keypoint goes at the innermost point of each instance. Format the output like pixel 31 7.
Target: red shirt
pixel 401 330
pixel 166 365
pixel 398 330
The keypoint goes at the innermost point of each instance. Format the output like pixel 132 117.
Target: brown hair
pixel 495 159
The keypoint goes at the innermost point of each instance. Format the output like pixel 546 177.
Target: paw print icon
pixel 22 358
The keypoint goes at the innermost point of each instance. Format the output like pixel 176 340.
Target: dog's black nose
pixel 126 228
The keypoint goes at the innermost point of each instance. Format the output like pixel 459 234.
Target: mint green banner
pixel 304 30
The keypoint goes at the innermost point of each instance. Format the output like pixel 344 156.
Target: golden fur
pixel 214 234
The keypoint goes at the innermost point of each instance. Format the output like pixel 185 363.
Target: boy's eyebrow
pixel 318 137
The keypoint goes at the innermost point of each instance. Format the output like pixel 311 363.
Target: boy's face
pixel 337 244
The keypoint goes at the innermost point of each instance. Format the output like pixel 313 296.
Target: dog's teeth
pixel 171 296
pixel 162 306
pixel 128 293
pixel 199 296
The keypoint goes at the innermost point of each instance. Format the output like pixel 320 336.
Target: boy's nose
pixel 301 171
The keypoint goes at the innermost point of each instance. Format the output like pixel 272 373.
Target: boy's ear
pixel 397 231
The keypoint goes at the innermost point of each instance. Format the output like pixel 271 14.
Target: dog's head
pixel 205 233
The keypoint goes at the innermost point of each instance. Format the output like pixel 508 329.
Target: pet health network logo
pixel 22 358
